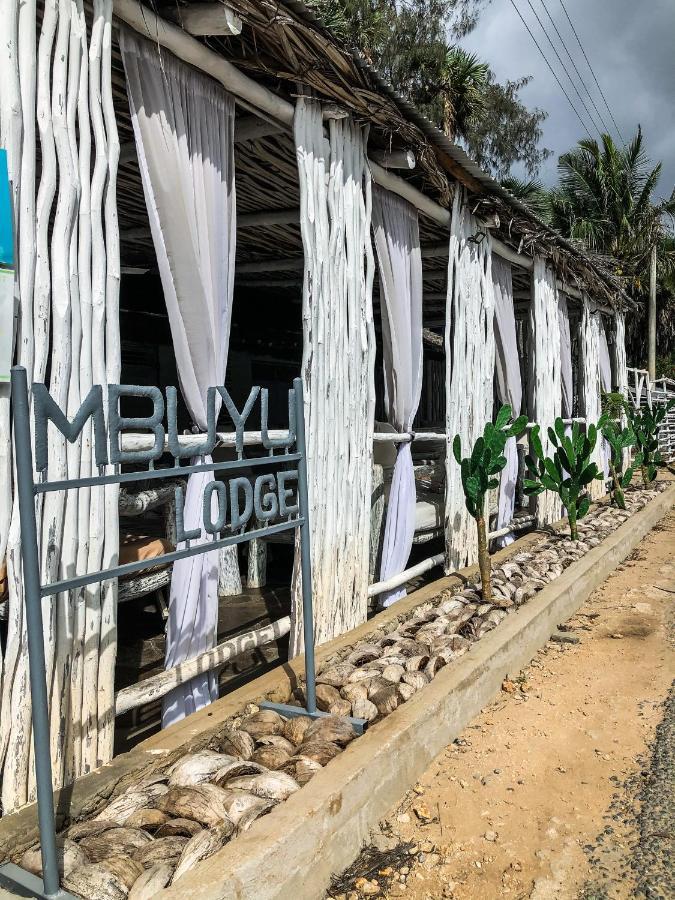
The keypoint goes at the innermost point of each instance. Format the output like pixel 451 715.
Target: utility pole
pixel 651 336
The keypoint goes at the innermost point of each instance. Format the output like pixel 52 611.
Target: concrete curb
pixel 294 851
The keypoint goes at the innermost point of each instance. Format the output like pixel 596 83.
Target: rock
pixel 508 686
pixel 422 812
pixel 367 888
pixel 403 818
pixel 490 836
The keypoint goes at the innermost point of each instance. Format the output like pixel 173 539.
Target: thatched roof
pixel 283 45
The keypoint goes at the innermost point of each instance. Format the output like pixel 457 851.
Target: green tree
pixel 606 199
pixel 412 43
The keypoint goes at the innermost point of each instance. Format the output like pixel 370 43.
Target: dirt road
pixel 563 787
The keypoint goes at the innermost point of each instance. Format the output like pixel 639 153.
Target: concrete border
pixel 294 850
pixel 273 859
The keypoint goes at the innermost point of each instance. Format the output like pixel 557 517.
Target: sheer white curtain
pixel 565 357
pixel 509 386
pixel 184 129
pixel 605 365
pixel 397 243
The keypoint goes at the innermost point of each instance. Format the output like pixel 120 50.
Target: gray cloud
pixel 632 49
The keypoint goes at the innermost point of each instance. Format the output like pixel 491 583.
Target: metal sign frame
pixel 49 886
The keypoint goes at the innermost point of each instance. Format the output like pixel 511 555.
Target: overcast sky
pixel 631 46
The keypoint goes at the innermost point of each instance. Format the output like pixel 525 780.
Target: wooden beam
pixel 205 19
pixel 269 217
pixel 394 159
pixel 253 128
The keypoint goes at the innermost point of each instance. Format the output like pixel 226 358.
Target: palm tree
pixel 532 192
pixel 463 85
pixel 605 200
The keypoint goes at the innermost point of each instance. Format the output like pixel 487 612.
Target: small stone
pixel 404 870
pixel 508 686
pixel 490 836
pixel 422 812
pixel 617 636
pixel 367 888
pixel 418 789
pixel 404 818
pixel 432 859
pixel 427 847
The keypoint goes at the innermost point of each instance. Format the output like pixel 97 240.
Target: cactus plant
pixel 568 472
pixel 619 439
pixel 646 424
pixel 479 471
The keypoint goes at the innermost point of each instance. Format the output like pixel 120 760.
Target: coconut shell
pixel 200 847
pixel 416 680
pixel 405 691
pixel 336 675
pixel 178 828
pixel 91 826
pixel 302 768
pixel 149 819
pixel 272 757
pixel 121 809
pixel 295 728
pixel 94 882
pixel 120 841
pixel 321 751
pixel 151 881
pixel 203 802
pixel 164 849
pixel 265 721
pixel 393 673
pixel 386 699
pixel 126 869
pixel 269 785
pixel 326 696
pixel 331 728
pixel 236 768
pixel 363 653
pixel 417 663
pixel 364 709
pixel 255 812
pixel 362 675
pixel 242 804
pixel 195 768
pixel 434 665
pixel 341 708
pixel 277 740
pixel 69 856
pixel 235 742
pixel 357 691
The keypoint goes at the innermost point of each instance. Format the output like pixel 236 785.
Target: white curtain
pixel 605 365
pixel 565 357
pixel 184 129
pixel 509 386
pixel 470 367
pixel 397 243
pixel 589 392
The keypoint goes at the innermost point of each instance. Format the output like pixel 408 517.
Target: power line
pixel 562 65
pixel 560 84
pixel 571 59
pixel 597 83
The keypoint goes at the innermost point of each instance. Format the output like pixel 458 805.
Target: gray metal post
pixel 305 558
pixel 36 649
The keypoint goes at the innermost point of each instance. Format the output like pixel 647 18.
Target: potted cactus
pixel 479 471
pixel 619 439
pixel 646 424
pixel 568 472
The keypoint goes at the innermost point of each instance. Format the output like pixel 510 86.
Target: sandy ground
pixel 541 796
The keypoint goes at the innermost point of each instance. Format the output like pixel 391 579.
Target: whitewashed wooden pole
pixel 108 649
pixel 11 138
pixel 470 361
pixel 544 372
pixel 85 373
pixel 92 632
pixel 620 367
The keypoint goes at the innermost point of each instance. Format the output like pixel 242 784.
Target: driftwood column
pixel 68 278
pixel 337 367
pixel 470 364
pixel 544 374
